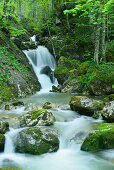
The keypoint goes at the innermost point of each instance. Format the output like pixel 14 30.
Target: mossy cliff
pixel 17 79
pixel 102 138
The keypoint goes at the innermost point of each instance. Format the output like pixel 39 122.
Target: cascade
pixel 43 64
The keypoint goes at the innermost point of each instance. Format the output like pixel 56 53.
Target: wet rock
pixel 37 118
pixel 35 141
pixel 47 70
pixel 108 112
pixel 102 138
pixel 2 142
pixel 47 105
pixel 56 89
pixel 4 127
pixel 31 107
pixel 79 137
pixel 18 103
pixel 7 107
pixel 85 105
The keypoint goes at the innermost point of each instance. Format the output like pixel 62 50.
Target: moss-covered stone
pixel 85 105
pixel 35 141
pixel 2 142
pixel 102 138
pixel 37 118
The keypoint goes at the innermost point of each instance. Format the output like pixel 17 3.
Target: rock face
pixel 19 77
pixel 108 112
pixel 4 127
pixel 34 141
pixel 85 105
pixel 102 138
pixel 2 142
pixel 37 118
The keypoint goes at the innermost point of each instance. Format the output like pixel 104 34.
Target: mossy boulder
pixel 98 86
pixel 36 141
pixel 2 142
pixel 102 138
pixel 37 118
pixel 47 105
pixel 4 127
pixel 85 105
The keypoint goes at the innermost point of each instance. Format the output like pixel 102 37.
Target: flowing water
pixel 41 58
pixel 71 127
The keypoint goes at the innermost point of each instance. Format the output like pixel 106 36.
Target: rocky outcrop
pixel 102 138
pixel 37 118
pixel 19 79
pixel 85 105
pixel 36 141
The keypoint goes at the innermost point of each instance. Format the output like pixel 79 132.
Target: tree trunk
pixel 97 41
pixel 103 38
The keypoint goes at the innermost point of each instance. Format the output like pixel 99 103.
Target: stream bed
pixel 72 129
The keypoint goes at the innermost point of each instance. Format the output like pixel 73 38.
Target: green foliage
pixel 9 62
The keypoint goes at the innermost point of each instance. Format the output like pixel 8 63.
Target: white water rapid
pixel 44 65
pixel 72 129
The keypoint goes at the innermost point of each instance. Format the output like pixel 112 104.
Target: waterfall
pixel 43 64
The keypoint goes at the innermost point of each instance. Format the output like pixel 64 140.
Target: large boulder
pixel 37 118
pixel 102 138
pixel 85 105
pixel 4 127
pixel 99 87
pixel 2 142
pixel 36 141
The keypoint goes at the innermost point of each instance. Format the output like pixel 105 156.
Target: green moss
pixel 111 97
pixel 83 67
pixel 7 93
pixel 61 70
pixel 102 138
pixel 10 169
pixel 106 126
pixel 35 114
pixel 98 106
